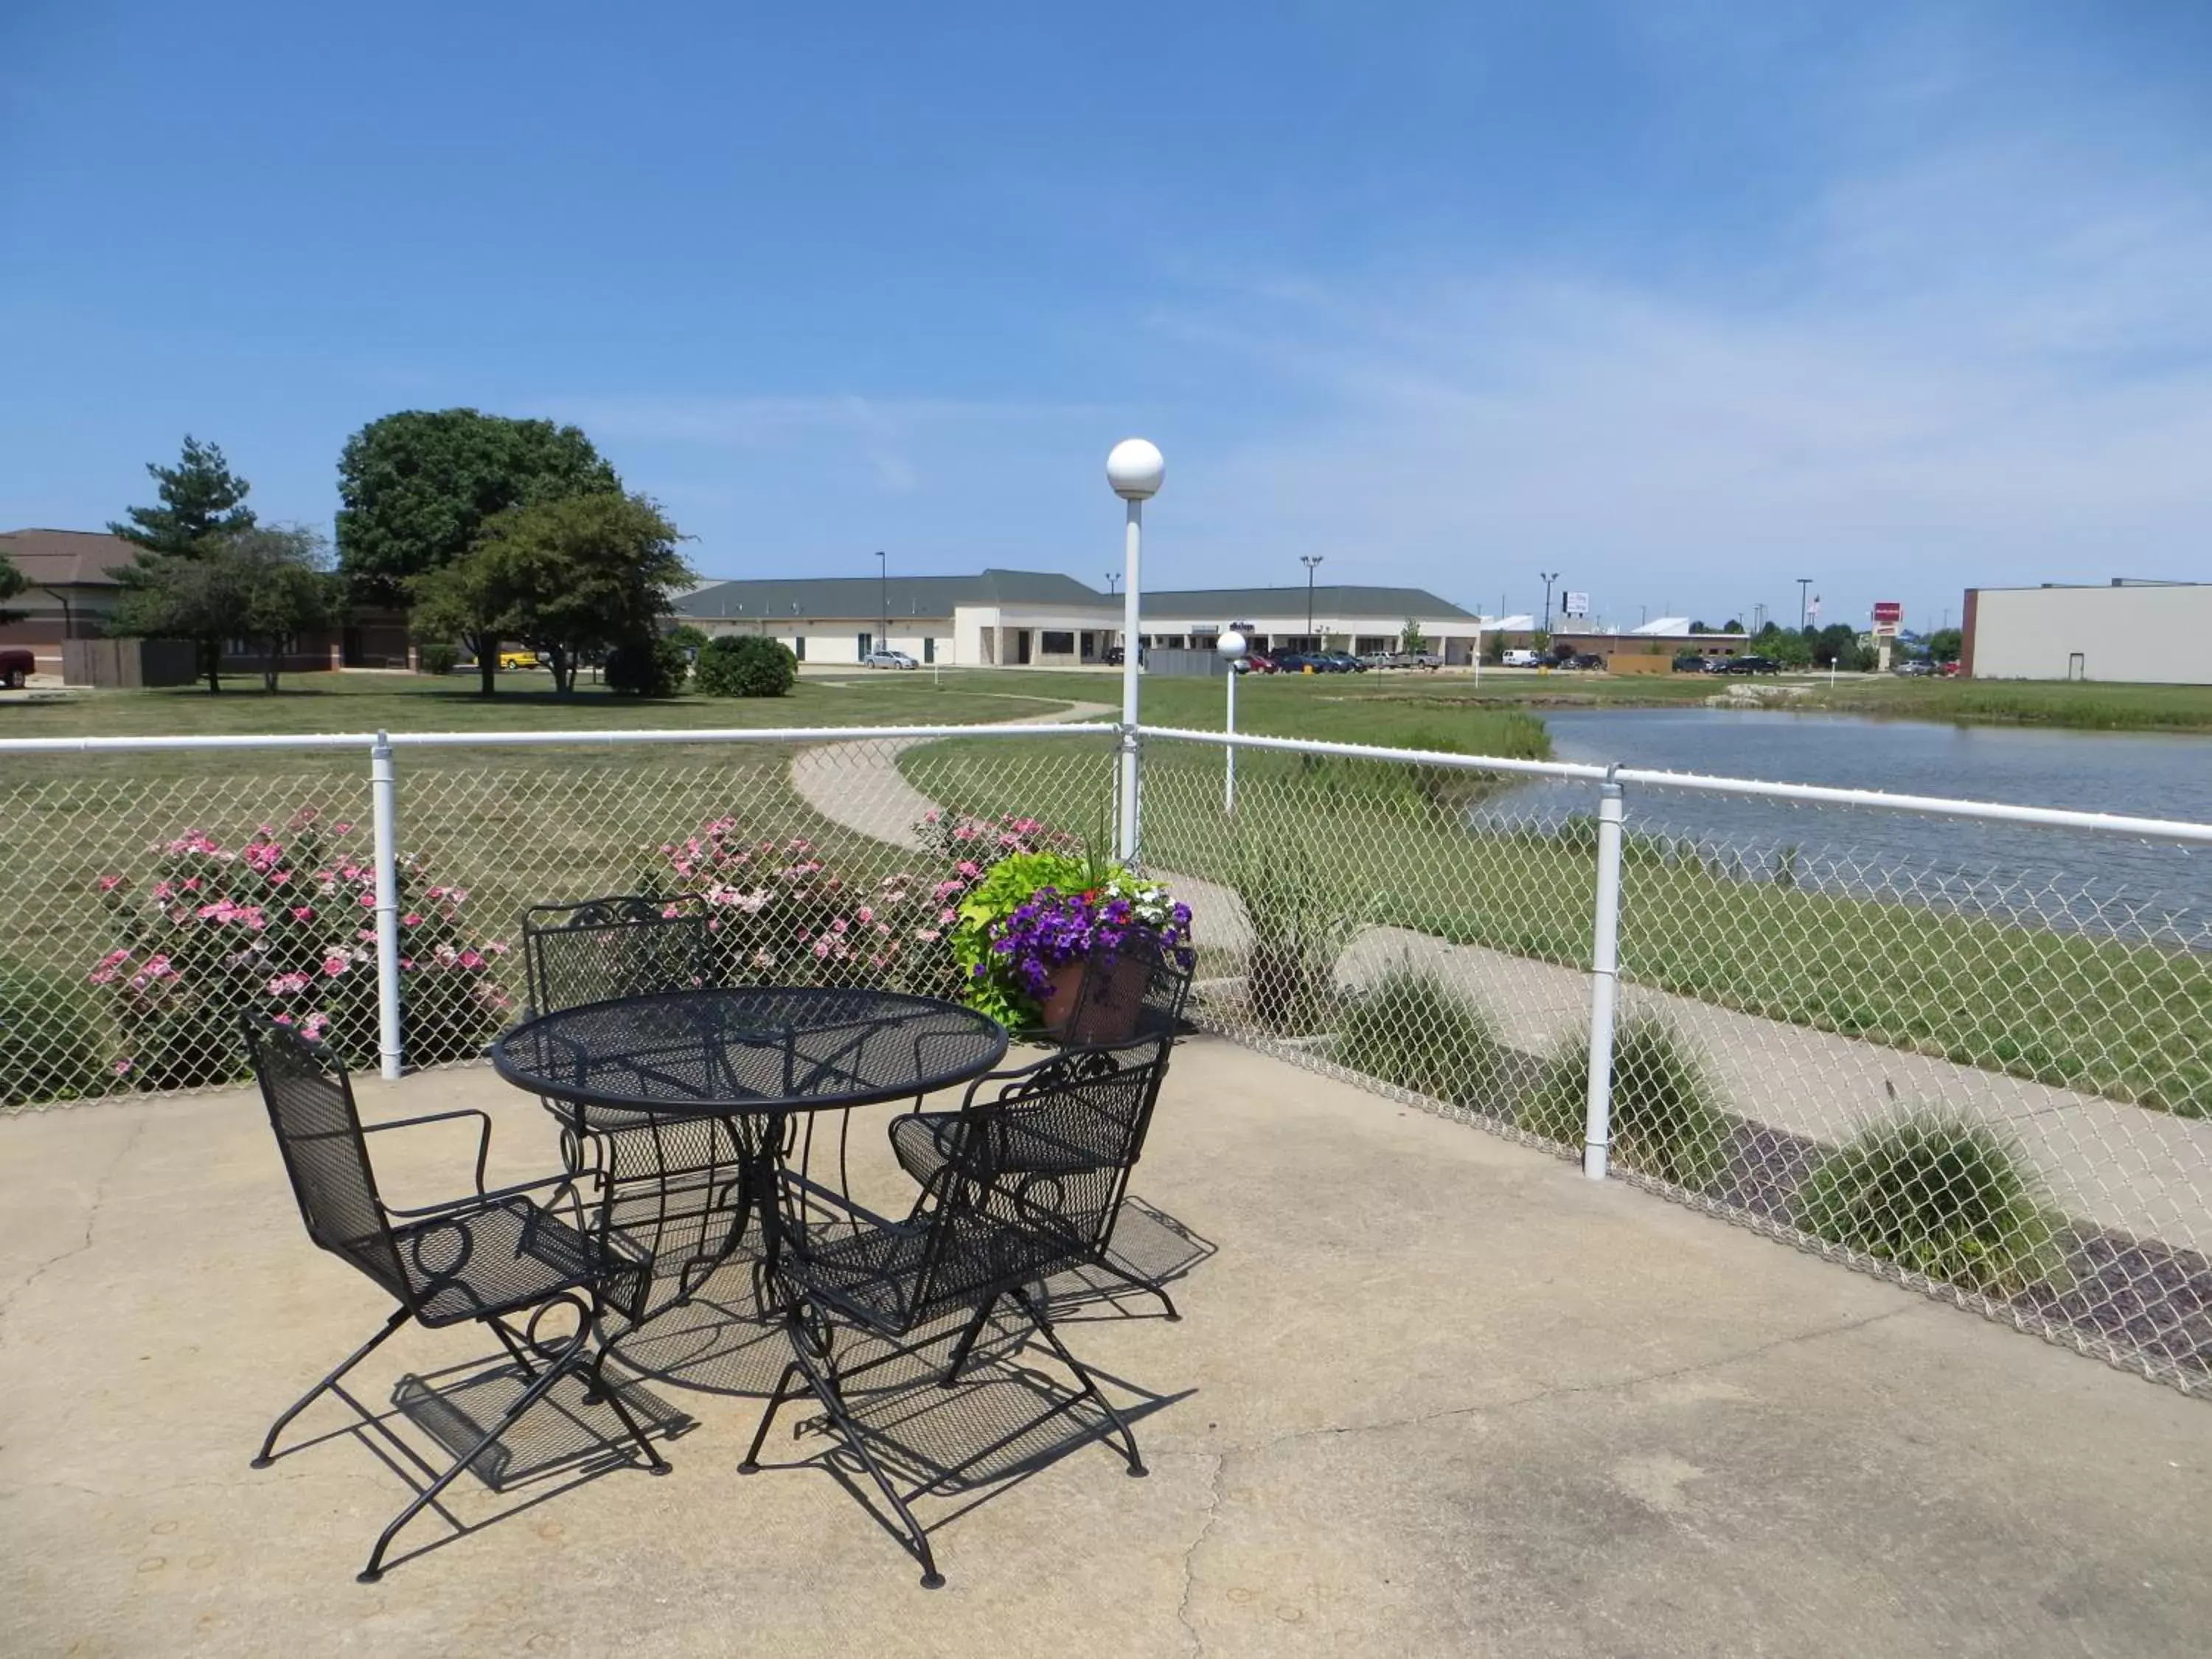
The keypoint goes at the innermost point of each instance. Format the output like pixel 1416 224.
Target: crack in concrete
pixel 1190 1555
pixel 91 1225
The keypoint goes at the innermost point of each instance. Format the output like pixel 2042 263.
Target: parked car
pixel 1518 659
pixel 1717 664
pixel 1585 660
pixel 1916 665
pixel 518 659
pixel 1751 665
pixel 888 659
pixel 1428 660
pixel 1343 662
pixel 1378 659
pixel 1260 662
pixel 16 667
pixel 1292 662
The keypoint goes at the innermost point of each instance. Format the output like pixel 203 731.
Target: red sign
pixel 1888 612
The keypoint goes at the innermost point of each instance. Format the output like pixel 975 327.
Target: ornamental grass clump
pixel 1935 1193
pixel 1666 1118
pixel 1411 1029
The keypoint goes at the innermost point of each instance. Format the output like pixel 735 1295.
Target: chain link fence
pixel 1971 1055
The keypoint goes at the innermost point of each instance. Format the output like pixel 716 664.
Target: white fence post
pixel 389 1052
pixel 1605 975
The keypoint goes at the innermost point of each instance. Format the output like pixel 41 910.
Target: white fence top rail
pixel 537 739
pixel 1987 812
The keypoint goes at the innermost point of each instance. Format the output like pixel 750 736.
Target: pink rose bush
pixel 781 915
pixel 284 924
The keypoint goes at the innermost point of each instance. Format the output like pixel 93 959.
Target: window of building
pixel 1366 644
pixel 1057 644
pixel 868 644
pixel 929 648
pixel 798 647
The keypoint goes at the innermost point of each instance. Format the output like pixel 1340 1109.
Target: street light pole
pixel 1310 561
pixel 1234 648
pixel 1803 582
pixel 1112 576
pixel 1549 576
pixel 1135 471
pixel 884 597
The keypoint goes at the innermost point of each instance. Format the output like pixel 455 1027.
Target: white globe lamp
pixel 1136 469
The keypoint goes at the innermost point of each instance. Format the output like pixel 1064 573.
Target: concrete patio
pixel 1433 1393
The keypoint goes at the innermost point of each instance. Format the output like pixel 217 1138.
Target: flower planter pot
pixel 1109 1013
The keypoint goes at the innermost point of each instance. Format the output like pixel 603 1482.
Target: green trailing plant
pixel 998 892
pixel 1299 925
pixel 1666 1118
pixel 1935 1193
pixel 745 665
pixel 1413 1030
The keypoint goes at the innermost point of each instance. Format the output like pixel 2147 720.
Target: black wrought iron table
pixel 743 1061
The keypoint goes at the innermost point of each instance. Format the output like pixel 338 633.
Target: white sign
pixel 1578 604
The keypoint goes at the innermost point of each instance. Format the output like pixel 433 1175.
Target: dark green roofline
pixel 937 595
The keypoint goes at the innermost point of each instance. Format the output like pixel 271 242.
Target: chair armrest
pixel 478 1201
pixel 483 1134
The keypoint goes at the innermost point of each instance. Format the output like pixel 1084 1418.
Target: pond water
pixel 2084 879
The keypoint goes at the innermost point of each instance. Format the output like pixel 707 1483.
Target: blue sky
pixel 1683 299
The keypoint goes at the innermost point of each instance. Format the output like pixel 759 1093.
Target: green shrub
pixel 50 1042
pixel 1413 1030
pixel 437 658
pixel 1666 1120
pixel 1937 1194
pixel 654 667
pixel 745 665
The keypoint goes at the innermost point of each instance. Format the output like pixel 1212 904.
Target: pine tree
pixel 203 502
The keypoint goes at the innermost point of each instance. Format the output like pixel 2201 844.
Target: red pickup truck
pixel 16 667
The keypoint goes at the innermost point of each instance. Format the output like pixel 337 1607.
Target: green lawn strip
pixel 2099 1015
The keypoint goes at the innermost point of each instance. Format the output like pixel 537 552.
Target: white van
pixel 1521 659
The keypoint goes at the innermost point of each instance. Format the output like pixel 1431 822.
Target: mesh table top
pixel 690 1053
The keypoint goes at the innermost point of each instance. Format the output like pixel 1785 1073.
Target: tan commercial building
pixel 2146 632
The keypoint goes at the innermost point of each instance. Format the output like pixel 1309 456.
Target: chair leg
pixel 1090 1385
pixel 826 1391
pixel 967 1343
pixel 537 1390
pixel 1137 1282
pixel 263 1460
pixel 751 1465
pixel 599 1389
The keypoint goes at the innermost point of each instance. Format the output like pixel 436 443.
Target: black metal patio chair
pixel 490 1257
pixel 1137 989
pixel 1027 1190
pixel 667 1186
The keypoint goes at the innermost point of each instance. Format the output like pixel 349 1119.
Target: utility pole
pixel 1803 582
pixel 1549 577
pixel 884 594
pixel 1311 560
pixel 1112 576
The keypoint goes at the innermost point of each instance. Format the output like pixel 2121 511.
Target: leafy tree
pixel 1410 639
pixel 415 488
pixel 1493 647
pixel 1733 625
pixel 470 600
pixel 582 573
pixel 655 666
pixel 12 582
pixel 290 588
pixel 262 586
pixel 690 638
pixel 745 666
pixel 1539 641
pixel 1787 647
pixel 1945 644
pixel 202 502
pixel 1700 628
pixel 1832 645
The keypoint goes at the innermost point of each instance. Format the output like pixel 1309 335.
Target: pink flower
pixel 278 878
pixel 407 963
pixel 472 959
pixel 191 883
pixel 315 1025
pixel 864 914
pixel 821 949
pixel 947 917
pixel 968 868
pixel 288 985
pixel 334 965
pixel 303 913
pixel 123 1067
pixel 109 883
pixel 342 828
pixel 411 920
pixel 162 890
pixel 367 901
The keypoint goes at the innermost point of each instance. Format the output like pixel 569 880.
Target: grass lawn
pixel 1390 844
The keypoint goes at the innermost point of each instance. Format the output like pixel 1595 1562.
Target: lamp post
pixel 1310 561
pixel 1112 576
pixel 1549 576
pixel 1233 648
pixel 1135 470
pixel 1803 582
